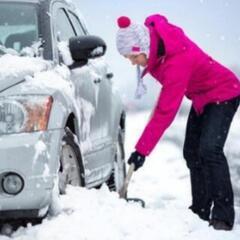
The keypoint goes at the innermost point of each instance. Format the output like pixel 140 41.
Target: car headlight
pixel 24 113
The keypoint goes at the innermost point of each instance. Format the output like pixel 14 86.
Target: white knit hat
pixel 132 38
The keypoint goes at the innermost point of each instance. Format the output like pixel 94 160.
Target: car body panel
pixel 84 94
pixel 34 156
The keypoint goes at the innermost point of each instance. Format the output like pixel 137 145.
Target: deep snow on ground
pixel 163 183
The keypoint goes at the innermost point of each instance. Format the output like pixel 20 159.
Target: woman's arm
pixel 175 80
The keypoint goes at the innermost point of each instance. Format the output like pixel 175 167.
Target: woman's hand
pixel 137 159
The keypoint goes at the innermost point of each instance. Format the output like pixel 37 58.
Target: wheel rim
pixel 69 173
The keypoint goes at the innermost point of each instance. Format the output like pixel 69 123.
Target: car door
pixel 103 87
pixel 86 82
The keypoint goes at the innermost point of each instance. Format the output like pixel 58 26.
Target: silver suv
pixel 61 122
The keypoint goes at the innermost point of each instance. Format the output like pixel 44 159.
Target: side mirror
pixel 86 47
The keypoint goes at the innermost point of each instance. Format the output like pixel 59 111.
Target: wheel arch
pixel 122 131
pixel 71 123
pixel 72 127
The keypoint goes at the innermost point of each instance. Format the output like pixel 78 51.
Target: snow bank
pixel 163 183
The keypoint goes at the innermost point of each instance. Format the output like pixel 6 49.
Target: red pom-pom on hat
pixel 123 22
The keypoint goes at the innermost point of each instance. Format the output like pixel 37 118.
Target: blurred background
pixel 212 24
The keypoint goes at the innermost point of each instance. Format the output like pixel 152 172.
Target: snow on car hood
pixel 14 69
pixel 35 74
pixel 38 76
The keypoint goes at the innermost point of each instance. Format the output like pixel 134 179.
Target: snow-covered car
pixel 61 122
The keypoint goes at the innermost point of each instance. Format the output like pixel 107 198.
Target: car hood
pixel 15 69
pixel 33 76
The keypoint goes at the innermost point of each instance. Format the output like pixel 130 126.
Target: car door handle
pixel 109 75
pixel 97 80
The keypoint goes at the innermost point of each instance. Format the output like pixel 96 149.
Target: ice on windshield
pixel 18 25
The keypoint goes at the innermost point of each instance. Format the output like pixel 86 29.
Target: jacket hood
pixel 173 37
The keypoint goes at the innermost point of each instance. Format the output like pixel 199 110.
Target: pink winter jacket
pixel 185 70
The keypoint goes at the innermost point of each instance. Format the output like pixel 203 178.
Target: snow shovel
pixel 123 191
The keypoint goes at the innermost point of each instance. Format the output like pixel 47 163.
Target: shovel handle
pixel 123 191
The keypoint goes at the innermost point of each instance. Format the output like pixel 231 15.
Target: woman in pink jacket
pixel 183 69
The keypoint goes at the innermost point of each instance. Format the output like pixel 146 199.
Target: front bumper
pixel 35 157
pixel 19 215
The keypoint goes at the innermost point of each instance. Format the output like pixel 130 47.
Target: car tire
pixel 117 178
pixel 71 165
pixel 71 170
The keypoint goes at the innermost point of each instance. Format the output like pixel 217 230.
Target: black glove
pixel 138 159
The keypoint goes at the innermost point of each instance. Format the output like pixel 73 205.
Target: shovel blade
pixel 137 200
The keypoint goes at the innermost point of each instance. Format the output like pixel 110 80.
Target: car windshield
pixel 18 25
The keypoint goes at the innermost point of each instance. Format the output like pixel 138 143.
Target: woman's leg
pixel 201 202
pixel 216 121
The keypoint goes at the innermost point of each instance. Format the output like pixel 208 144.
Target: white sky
pixel 212 24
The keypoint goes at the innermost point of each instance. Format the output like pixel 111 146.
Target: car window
pixel 64 29
pixel 18 25
pixel 76 24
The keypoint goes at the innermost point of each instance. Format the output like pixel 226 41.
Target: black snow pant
pixel 212 194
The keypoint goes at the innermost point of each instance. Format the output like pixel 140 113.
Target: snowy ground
pixel 163 183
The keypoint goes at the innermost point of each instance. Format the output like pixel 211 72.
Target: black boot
pixel 220 225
